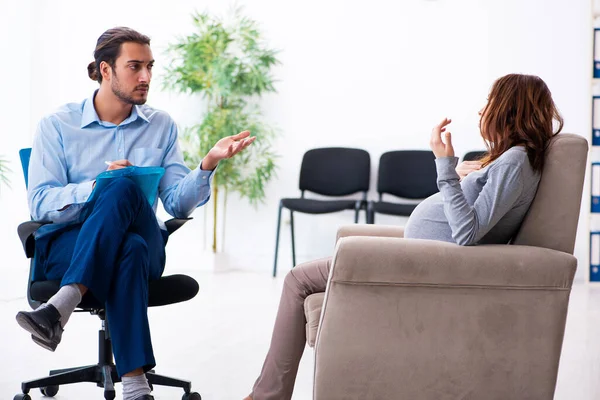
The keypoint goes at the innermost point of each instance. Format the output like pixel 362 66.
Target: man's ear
pixel 105 70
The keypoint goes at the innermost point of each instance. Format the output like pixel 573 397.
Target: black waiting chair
pixel 166 290
pixel 474 155
pixel 330 171
pixel 409 174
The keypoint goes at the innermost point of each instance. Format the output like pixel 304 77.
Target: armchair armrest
pixel 175 223
pixel 370 230
pixel 390 261
pixel 25 231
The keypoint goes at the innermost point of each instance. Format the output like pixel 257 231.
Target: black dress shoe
pixel 145 397
pixel 43 324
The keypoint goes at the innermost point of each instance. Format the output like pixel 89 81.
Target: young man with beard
pixel 120 245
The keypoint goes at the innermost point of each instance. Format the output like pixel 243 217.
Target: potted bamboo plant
pixel 230 65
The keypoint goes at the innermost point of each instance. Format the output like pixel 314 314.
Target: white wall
pixel 375 75
pixel 15 64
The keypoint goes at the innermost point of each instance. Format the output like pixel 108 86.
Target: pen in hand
pixel 117 164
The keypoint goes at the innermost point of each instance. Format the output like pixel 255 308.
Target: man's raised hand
pixel 227 147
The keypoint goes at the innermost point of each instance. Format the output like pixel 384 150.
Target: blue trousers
pixel 114 253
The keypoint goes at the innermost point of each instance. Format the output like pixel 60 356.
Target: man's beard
pixel 124 97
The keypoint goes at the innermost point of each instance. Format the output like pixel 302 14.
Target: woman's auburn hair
pixel 520 112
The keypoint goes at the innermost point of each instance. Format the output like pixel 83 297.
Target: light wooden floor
pixel 219 339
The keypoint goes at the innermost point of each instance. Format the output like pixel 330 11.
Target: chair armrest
pixel 25 231
pixel 175 223
pixel 370 230
pixel 413 262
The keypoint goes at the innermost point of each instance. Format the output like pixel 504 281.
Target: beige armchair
pixel 419 319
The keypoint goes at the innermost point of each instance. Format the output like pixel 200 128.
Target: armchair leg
pixel 156 379
pixel 277 240
pixel 293 241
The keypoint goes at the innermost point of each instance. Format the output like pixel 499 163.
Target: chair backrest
pixel 407 173
pixel 552 218
pixel 25 155
pixel 335 171
pixel 474 155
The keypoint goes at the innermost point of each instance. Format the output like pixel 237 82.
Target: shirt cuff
pixel 83 191
pixel 446 168
pixel 204 177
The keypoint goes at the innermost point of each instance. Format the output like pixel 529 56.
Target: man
pixel 119 245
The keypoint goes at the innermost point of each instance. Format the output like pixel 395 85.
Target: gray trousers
pixel 278 375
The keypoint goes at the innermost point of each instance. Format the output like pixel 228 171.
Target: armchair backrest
pixel 552 218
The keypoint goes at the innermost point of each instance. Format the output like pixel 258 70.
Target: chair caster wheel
pixel 22 396
pixel 109 394
pixel 49 391
pixel 191 396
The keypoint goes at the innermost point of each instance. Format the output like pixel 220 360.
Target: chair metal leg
pixel 277 240
pixel 357 207
pixel 156 379
pixel 293 241
pixel 370 213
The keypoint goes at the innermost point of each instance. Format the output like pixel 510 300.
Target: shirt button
pixel 204 177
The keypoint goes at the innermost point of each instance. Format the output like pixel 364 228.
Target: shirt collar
pixel 89 114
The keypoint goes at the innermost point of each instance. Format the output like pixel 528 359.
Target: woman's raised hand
pixel 441 148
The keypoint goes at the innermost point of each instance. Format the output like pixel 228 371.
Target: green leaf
pixel 228 63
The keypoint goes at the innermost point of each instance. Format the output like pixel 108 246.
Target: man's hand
pixel 441 149
pixel 466 167
pixel 117 164
pixel 227 147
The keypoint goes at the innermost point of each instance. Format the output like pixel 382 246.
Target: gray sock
pixel 135 386
pixel 65 301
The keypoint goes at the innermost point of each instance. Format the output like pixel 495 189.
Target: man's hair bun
pixel 93 71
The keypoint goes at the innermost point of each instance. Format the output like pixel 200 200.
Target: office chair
pixel 329 171
pixel 474 155
pixel 410 174
pixel 166 290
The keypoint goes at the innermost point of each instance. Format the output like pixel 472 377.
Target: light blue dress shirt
pixel 70 149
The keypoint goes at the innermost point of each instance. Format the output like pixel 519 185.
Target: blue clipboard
pixel 146 178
